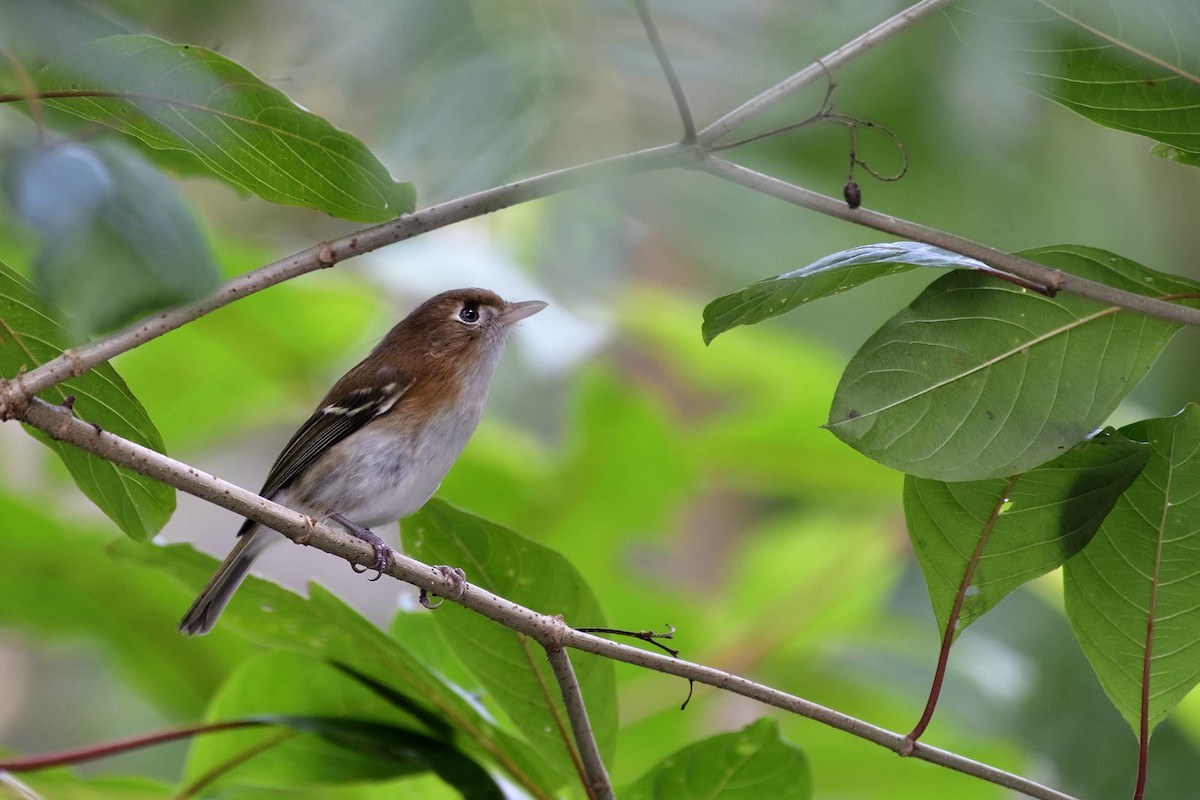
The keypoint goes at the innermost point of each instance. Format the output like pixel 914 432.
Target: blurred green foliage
pixel 686 485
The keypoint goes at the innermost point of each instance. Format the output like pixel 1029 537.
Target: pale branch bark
pixel 818 70
pixel 1022 267
pixel 664 63
pixel 599 786
pixel 548 631
pixel 19 789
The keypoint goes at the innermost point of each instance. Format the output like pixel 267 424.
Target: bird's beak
pixel 515 312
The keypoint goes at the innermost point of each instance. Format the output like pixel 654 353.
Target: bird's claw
pixel 452 574
pixel 383 553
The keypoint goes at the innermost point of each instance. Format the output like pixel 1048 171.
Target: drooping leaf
pixel 752 763
pixel 1045 516
pixel 186 98
pixel 1131 594
pixel 980 379
pixel 349 735
pixel 117 241
pixel 512 669
pixel 1127 66
pixel 824 277
pixel 29 336
pixel 325 627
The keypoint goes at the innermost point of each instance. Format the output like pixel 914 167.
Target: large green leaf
pixel 513 669
pixel 348 734
pixel 186 98
pixel 1132 593
pixel 980 379
pixel 29 336
pixel 824 277
pixel 1126 65
pixel 326 628
pixel 1041 518
pixel 749 764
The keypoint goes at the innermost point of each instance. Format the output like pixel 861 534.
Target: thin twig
pixel 599 786
pixel 853 49
pixel 649 637
pixel 548 631
pixel 1050 279
pixel 20 789
pixel 664 62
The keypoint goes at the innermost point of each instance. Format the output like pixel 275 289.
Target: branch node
pixel 305 538
pixel 78 368
pixel 325 255
pixel 68 405
pixel 14 397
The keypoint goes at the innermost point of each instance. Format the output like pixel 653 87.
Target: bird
pixel 380 442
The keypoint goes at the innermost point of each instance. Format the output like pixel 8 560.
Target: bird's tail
pixel 203 614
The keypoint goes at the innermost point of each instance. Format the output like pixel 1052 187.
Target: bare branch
pixel 1052 279
pixel 548 631
pixel 664 61
pixel 818 69
pixel 599 786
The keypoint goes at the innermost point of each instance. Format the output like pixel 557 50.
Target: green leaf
pixel 117 240
pixel 326 628
pixel 127 610
pixel 350 735
pixel 749 764
pixel 186 98
pixel 1045 516
pixel 1121 65
pixel 29 336
pixel 824 277
pixel 980 379
pixel 512 668
pixel 1132 593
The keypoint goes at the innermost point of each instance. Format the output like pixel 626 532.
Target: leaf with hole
pixel 980 379
pixel 249 134
pixel 1013 529
pixel 1132 593
pixel 29 336
pixel 824 277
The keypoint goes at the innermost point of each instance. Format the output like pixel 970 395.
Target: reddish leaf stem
pixel 92 752
pixel 939 674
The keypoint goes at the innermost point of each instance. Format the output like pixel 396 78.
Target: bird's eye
pixel 469 313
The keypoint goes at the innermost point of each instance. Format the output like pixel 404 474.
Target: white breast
pixel 373 478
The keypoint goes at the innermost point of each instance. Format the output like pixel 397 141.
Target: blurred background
pixel 689 485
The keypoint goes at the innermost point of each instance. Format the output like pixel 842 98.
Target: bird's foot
pixel 383 553
pixel 452 574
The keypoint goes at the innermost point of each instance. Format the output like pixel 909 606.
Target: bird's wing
pixel 329 424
